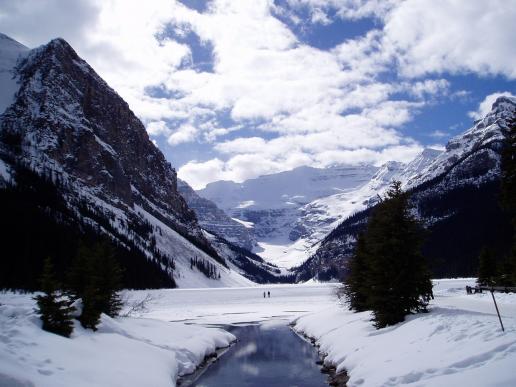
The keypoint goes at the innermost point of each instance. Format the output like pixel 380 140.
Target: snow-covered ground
pixel 146 350
pixel 459 343
pixel 235 305
pixel 123 352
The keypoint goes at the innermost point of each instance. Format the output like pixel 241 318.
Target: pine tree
pixel 53 307
pixel 508 195
pixel 487 270
pixel 355 285
pixel 110 281
pixel 96 277
pixel 397 278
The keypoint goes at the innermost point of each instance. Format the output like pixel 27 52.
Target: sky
pixel 230 90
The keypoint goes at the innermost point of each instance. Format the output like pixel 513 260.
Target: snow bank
pixel 123 352
pixel 458 343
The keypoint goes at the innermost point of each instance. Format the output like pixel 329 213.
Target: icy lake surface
pixel 268 354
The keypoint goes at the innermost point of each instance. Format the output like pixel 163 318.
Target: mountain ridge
pixel 456 199
pixel 72 130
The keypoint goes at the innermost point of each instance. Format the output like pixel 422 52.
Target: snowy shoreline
pixel 124 351
pixel 458 343
pixel 334 379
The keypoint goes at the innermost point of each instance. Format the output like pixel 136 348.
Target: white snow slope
pixel 459 343
pixel 10 51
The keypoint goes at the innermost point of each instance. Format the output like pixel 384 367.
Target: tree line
pixel 91 288
pixel 207 268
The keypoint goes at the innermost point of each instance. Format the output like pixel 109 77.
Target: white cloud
pixel 346 9
pixel 158 128
pixel 318 106
pixel 116 37
pixel 452 35
pixel 438 134
pixel 485 106
pixel 197 174
pixel 242 145
pixel 185 133
pixel 428 87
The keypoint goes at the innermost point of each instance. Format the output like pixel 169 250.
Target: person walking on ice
pixel 269 294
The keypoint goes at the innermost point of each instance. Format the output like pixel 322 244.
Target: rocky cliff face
pixel 67 118
pixel 66 124
pixel 216 221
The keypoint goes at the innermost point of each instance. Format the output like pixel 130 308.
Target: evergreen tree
pixel 96 278
pixel 92 302
pixel 398 281
pixel 53 307
pixel 508 194
pixel 355 285
pixel 487 270
pixel 110 281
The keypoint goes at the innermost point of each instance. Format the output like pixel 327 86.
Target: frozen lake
pixel 235 305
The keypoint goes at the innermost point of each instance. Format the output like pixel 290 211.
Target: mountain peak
pixel 503 103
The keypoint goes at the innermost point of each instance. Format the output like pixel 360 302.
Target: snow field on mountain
pixel 170 242
pixel 10 51
pixel 123 352
pixel 459 343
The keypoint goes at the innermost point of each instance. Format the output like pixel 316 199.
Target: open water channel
pixel 266 355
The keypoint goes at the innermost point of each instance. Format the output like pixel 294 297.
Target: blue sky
pixel 234 89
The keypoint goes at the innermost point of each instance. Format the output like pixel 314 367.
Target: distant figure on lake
pixel 263 294
pixel 269 294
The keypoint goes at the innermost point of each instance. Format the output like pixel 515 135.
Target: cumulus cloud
pixel 158 128
pixel 439 134
pixel 116 37
pixel 313 106
pixel 346 9
pixel 486 105
pixel 452 35
pixel 185 133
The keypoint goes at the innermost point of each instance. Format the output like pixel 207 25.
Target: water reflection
pixel 268 355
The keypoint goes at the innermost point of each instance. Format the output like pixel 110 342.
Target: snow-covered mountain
pixel 454 194
pixel 10 51
pixel 277 207
pixel 291 212
pixel 65 129
pixel 213 219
